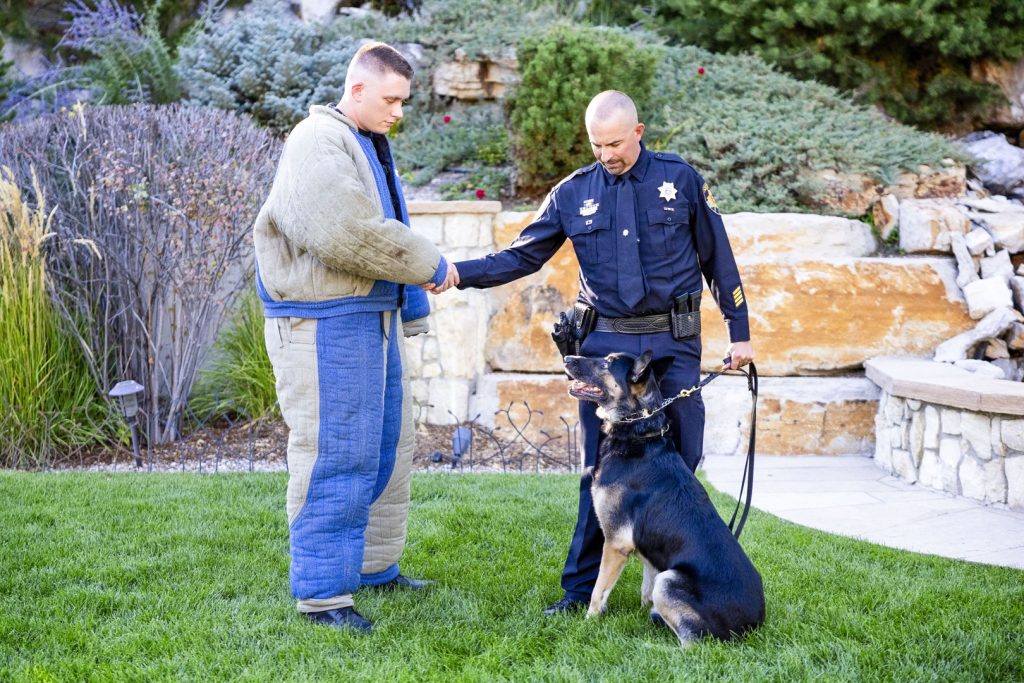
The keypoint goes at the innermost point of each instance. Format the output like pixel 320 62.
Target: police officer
pixel 644 226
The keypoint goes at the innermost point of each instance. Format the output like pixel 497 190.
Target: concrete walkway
pixel 852 497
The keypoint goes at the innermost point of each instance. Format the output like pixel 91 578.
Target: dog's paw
pixel 594 611
pixel 646 601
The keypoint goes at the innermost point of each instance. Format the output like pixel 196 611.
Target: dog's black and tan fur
pixel 696 575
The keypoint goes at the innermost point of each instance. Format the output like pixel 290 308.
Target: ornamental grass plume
pixel 47 396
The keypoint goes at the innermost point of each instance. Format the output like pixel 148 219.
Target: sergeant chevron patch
pixel 737 296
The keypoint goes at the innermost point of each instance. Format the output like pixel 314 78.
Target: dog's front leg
pixel 612 562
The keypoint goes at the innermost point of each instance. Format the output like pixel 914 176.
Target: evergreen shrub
pixel 912 57
pixel 561 71
pixel 759 135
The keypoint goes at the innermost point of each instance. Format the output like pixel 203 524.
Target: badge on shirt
pixel 710 199
pixel 667 191
pixel 589 208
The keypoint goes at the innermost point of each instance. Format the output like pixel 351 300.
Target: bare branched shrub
pixel 153 208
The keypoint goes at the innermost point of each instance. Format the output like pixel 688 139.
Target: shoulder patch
pixel 709 199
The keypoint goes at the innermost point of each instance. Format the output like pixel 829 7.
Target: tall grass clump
pixel 240 379
pixel 48 402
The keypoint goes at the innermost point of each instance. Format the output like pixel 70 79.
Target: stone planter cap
pixel 945 384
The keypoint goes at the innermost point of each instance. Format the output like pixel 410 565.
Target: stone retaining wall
pixel 977 455
pixel 933 428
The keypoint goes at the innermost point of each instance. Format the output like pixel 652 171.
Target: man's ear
pixel 357 91
pixel 641 366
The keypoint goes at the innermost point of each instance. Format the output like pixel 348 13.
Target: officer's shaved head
pixel 614 131
pixel 610 104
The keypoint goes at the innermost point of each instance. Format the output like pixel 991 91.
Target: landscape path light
pixel 127 394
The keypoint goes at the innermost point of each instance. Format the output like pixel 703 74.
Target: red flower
pixel 700 71
pixel 447 119
pixel 480 194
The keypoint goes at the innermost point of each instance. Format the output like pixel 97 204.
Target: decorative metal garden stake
pixel 127 395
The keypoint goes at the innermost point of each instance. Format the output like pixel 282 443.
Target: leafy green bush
pixel 758 135
pixel 427 143
pixel 909 56
pixel 240 380
pixel 48 402
pixel 561 71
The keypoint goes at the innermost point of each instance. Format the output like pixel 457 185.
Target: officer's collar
pixel 639 169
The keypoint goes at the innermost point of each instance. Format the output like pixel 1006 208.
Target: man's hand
pixel 740 354
pixel 451 279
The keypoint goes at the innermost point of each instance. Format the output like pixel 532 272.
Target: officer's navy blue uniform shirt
pixel 680 234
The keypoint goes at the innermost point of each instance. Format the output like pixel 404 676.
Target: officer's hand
pixel 739 354
pixel 451 279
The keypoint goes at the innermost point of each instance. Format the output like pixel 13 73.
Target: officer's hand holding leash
pixel 737 355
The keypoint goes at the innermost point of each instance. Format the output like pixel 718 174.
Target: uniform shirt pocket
pixel 669 226
pixel 591 238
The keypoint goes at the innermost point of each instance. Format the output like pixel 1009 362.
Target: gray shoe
pixel 346 618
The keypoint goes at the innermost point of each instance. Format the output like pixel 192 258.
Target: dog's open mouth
pixel 584 390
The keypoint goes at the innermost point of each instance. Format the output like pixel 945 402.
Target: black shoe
pixel 565 606
pixel 343 617
pixel 405 583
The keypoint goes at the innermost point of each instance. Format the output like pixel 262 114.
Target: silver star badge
pixel 667 191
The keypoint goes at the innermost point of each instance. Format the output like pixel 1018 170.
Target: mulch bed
pixel 261 446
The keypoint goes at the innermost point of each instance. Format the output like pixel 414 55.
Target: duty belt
pixel 643 324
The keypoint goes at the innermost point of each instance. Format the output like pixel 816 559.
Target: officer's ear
pixel 641 366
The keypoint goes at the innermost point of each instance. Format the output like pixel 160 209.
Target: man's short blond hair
pixel 380 59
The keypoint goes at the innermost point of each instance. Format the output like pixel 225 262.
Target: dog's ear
pixel 661 366
pixel 641 366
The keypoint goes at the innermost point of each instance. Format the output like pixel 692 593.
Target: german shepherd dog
pixel 696 575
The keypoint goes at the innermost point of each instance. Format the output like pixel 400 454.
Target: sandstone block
pixel 950 421
pixel 1014 470
pixel 464 230
pixel 903 466
pixel 1006 229
pixel 798 235
pixel 931 427
pixel 979 241
pixel 848 193
pixel 987 295
pixel 980 368
pixel 983 480
pixel 487 77
pixel 926 224
pixel 950 456
pixel 950 181
pixel 997 266
pixel 1012 434
pixel 886 213
pixel 992 325
pixel 975 428
pixel 430 226
pixel 967 269
pixel 1015 336
pixel 883 450
pixel 1009 77
pixel 447 397
pixel 930 472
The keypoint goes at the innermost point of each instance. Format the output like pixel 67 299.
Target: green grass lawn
pixel 185 577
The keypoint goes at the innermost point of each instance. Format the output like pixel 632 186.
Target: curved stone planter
pixel 948 429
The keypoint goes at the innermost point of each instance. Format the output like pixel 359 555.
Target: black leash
pixel 747 480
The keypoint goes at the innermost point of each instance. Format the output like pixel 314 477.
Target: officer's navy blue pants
pixel 686 417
